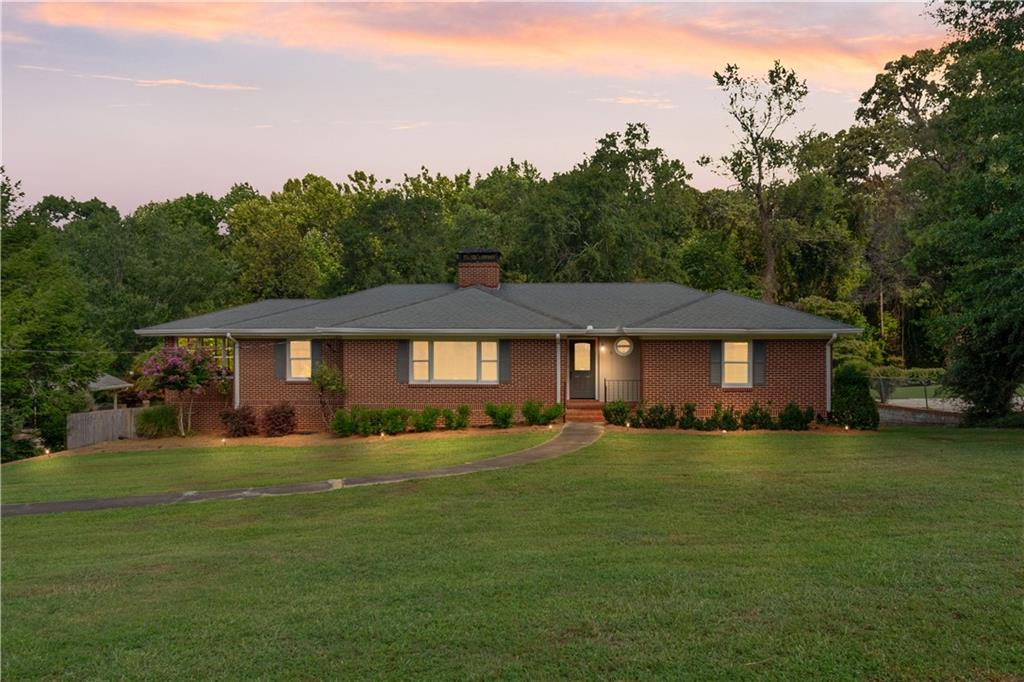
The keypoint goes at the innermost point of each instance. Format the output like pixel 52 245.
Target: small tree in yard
pixel 327 381
pixel 185 370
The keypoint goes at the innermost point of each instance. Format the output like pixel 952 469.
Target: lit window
pixel 581 356
pixel 623 347
pixel 454 362
pixel 300 360
pixel 736 363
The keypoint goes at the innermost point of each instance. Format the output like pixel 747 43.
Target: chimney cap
pixel 479 254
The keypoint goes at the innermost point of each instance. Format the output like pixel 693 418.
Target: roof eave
pixel 363 332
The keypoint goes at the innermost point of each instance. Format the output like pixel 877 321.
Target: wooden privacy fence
pixel 86 428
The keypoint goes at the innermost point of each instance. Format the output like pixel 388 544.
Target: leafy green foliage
pixel 689 419
pixel 158 421
pixel 757 417
pixel 535 414
pixel 457 419
pixel 792 418
pixel 501 416
pixel 617 412
pixel 326 379
pixel 852 404
pixel 425 419
pixel 657 416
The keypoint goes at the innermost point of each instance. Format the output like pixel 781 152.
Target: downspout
pixel 558 369
pixel 828 374
pixel 234 371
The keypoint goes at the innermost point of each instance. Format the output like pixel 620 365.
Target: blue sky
pixel 137 103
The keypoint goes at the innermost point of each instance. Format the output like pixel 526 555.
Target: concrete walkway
pixel 573 437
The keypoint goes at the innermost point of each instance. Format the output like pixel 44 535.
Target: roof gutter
pixel 411 333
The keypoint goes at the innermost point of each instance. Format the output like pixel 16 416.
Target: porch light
pixel 602 348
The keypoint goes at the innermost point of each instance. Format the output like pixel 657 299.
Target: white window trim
pixel 288 361
pixel 750 364
pixel 446 382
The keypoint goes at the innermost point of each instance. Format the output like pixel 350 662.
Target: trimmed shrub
pixel 157 422
pixel 714 421
pixel 239 422
pixel 366 422
pixel 536 414
pixel 278 420
pixel 455 420
pixel 395 420
pixel 728 420
pixel 342 424
pixel 852 404
pixel 531 410
pixel 689 418
pixel 792 418
pixel 1014 420
pixel 552 413
pixel 658 416
pixel 500 415
pixel 425 419
pixel 757 417
pixel 617 412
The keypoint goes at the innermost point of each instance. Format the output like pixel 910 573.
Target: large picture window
pixel 736 363
pixel 454 362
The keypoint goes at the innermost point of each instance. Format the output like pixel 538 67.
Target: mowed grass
pixel 895 555
pixel 135 473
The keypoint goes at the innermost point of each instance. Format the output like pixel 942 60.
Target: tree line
pixel 909 223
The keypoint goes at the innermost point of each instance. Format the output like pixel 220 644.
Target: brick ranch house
pixel 481 340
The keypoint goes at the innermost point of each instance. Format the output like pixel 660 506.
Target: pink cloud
pixel 834 45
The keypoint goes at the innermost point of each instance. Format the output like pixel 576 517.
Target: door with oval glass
pixel 581 373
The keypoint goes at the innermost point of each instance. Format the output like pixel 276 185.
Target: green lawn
pixel 895 555
pixel 136 473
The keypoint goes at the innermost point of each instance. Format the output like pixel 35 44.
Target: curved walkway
pixel 573 436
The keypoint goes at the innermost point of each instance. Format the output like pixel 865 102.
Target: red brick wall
pixel 676 372
pixel 484 274
pixel 370 377
pixel 672 372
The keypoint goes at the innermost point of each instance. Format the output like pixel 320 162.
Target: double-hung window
pixel 736 364
pixel 300 360
pixel 454 362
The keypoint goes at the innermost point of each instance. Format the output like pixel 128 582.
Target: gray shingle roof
pixel 633 307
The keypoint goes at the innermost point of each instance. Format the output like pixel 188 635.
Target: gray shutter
pixel 281 359
pixel 315 347
pixel 402 362
pixel 759 363
pixel 715 364
pixel 504 362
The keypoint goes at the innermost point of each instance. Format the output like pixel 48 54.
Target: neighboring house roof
pixel 522 309
pixel 106 382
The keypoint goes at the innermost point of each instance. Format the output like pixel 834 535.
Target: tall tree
pixel 962 155
pixel 760 108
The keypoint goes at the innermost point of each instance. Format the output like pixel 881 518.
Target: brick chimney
pixel 479 267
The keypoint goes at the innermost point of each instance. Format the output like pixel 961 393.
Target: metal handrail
pixel 627 390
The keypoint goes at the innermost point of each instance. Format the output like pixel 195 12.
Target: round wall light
pixel 623 347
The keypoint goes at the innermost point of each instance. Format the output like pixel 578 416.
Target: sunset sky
pixel 136 103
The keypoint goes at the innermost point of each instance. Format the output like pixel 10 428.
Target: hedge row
pixel 368 421
pixel 658 416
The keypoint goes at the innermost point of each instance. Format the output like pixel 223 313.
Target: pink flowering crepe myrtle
pixel 185 370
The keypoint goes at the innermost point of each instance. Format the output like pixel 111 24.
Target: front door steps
pixel 584 411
